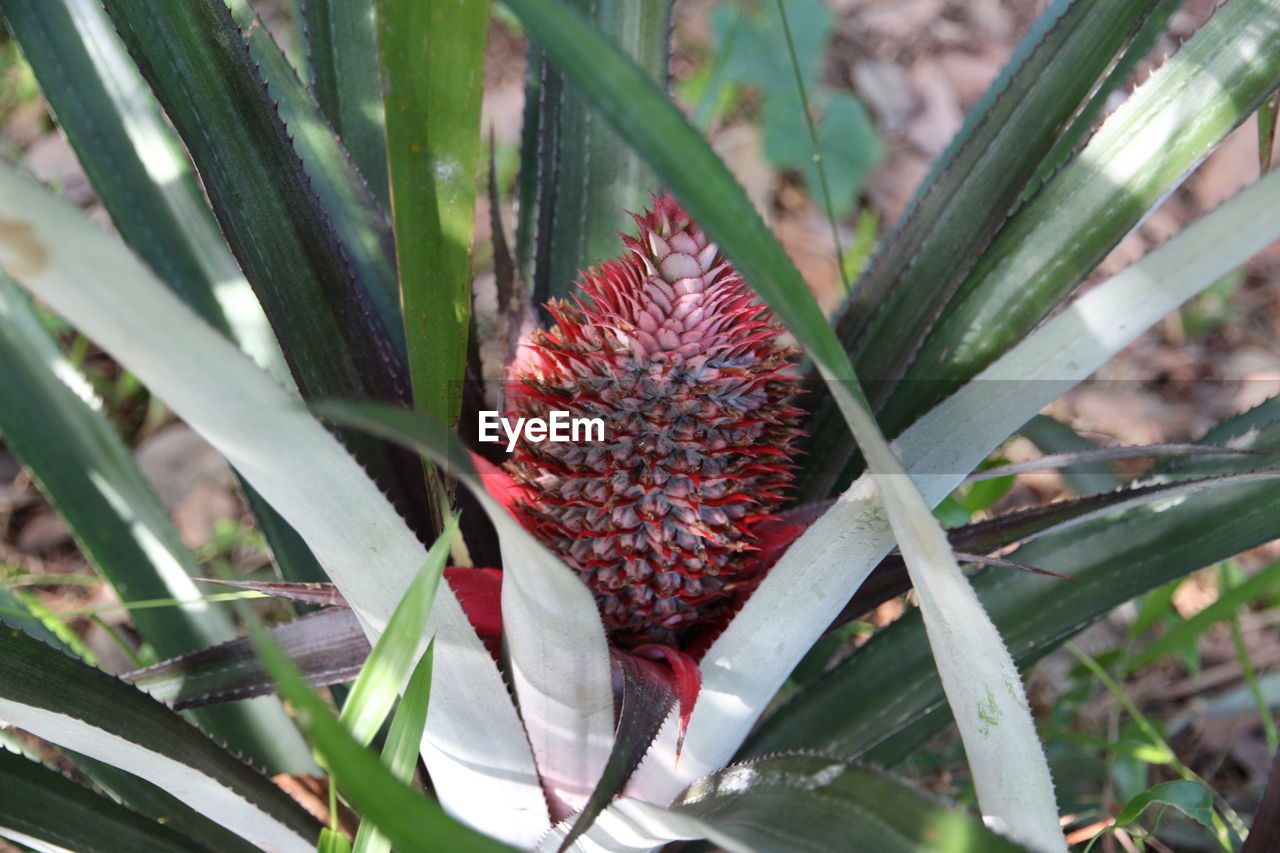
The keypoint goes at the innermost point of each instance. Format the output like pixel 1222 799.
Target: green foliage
pixel 413 823
pixel 750 52
pixel 431 54
pixel 1191 798
pixel 346 204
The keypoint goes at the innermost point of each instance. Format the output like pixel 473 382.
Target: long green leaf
pixel 1140 154
pixel 142 174
pixel 780 803
pixel 394 655
pixel 432 60
pixel 133 791
pixel 51 419
pixel 1112 559
pixel 31 794
pixel 551 627
pixel 481 764
pixel 353 210
pixel 580 175
pixel 159 805
pixel 977 181
pixel 136 162
pixel 1010 772
pixel 400 753
pixel 1082 124
pixel 342 49
pixel 322 304
pixel 787 802
pixel 78 707
pixel 821 570
pixel 406 816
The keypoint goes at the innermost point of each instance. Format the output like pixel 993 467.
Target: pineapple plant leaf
pixel 204 71
pixel 329 647
pixel 977 182
pixel 343 72
pixel 294 463
pixel 87 472
pixel 81 708
pixel 752 805
pixel 149 186
pixel 578 176
pixel 1139 155
pixel 432 56
pixel 1112 558
pixel 556 735
pixel 88 822
pixel 110 117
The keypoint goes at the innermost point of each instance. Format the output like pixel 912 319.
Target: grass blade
pixel 482 765
pixel 414 823
pixel 400 753
pixel 394 655
pixel 432 60
pixel 1224 607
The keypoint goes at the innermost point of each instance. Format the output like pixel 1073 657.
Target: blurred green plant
pixel 750 53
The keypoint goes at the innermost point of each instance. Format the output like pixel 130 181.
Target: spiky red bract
pixel 668 346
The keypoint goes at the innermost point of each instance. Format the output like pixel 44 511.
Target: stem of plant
pixel 813 137
pixel 1148 728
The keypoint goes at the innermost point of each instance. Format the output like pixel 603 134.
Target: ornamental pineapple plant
pixel 335 197
pixel 670 348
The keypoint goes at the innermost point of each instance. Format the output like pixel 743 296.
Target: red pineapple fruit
pixel 669 348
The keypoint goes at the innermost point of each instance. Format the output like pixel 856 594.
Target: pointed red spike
pixel 497 482
pixel 686 681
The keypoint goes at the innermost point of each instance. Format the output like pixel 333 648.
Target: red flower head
pixel 668 347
